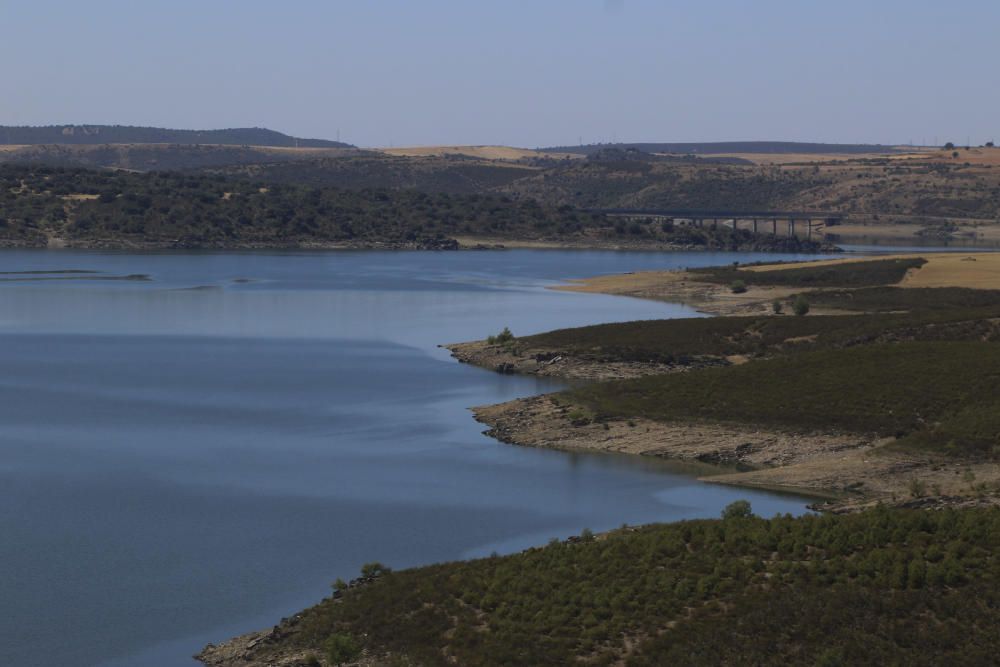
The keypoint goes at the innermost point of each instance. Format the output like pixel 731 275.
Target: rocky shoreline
pixel 516 360
pixel 847 471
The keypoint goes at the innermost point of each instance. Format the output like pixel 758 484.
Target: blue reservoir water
pixel 196 455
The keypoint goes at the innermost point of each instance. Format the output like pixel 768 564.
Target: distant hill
pixel 160 157
pixel 452 174
pixel 49 206
pixel 716 147
pixel 125 134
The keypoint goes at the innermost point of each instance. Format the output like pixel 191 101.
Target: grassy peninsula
pixel 883 393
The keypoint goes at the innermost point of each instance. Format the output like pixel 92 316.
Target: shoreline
pixel 683 288
pixel 846 472
pixel 853 470
pixel 777 245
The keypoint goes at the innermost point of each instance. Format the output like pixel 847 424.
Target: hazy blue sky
pixel 528 73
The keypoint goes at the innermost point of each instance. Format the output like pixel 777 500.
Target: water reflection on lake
pixel 201 453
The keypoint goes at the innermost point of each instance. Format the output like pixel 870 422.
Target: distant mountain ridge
pixel 715 147
pixel 126 134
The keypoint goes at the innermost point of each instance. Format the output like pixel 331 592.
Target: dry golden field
pixel 976 270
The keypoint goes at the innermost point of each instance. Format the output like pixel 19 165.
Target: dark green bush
pixel 341 648
pixel 501 338
pixel 801 305
pixel 738 509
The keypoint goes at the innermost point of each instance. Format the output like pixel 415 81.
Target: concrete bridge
pixel 756 221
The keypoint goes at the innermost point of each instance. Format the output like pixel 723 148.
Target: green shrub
pixel 501 338
pixel 801 305
pixel 341 648
pixel 776 306
pixel 374 570
pixel 738 509
pixel 917 488
pixel 737 287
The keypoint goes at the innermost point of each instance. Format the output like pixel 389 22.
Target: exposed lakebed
pixel 195 455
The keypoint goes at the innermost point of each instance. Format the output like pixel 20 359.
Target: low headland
pixel 877 396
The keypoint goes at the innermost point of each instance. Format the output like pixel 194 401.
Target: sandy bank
pixel 684 288
pixel 974 270
pixel 853 470
pixel 979 270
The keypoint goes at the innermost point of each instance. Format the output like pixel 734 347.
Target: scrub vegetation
pixel 195 210
pixel 942 395
pixel 879 587
pixel 680 341
pixel 173 209
pixel 854 274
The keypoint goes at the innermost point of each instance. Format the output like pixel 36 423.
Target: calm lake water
pixel 194 456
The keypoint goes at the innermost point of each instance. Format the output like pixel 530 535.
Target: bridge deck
pixel 709 214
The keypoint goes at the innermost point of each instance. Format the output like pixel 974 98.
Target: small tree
pixel 374 570
pixel 917 488
pixel 738 509
pixel 949 146
pixel 501 338
pixel 341 648
pixel 801 305
pixel 738 287
pixel 776 306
